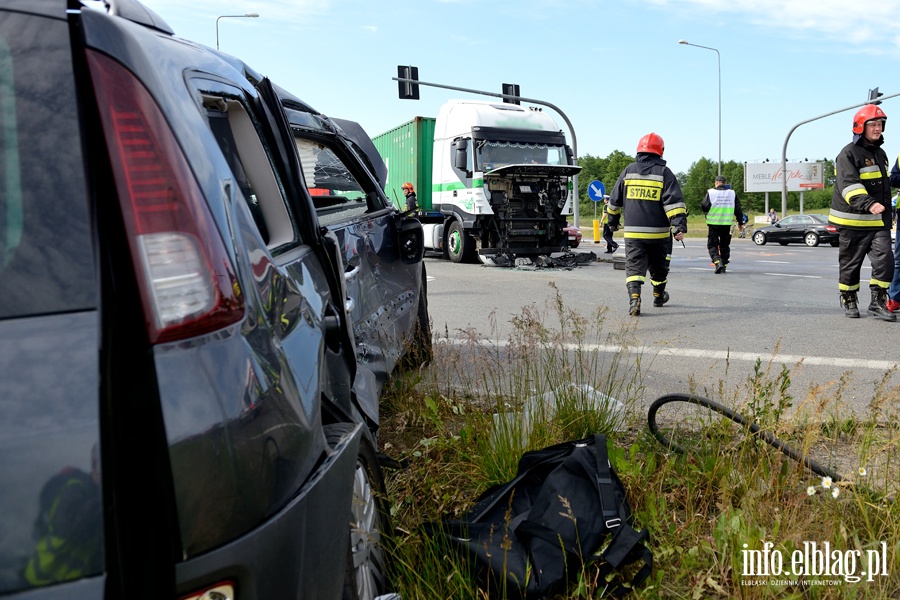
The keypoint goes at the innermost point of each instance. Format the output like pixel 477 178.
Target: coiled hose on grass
pixel 755 429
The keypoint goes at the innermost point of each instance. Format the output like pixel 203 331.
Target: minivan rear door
pixel 51 526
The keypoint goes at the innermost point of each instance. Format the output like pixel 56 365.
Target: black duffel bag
pixel 565 508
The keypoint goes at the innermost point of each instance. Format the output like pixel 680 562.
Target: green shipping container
pixel 407 151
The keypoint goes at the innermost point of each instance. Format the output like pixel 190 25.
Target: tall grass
pixel 462 424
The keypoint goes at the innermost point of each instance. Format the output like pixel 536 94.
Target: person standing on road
pixel 773 216
pixel 648 197
pixel 860 208
pixel 611 245
pixel 721 207
pixel 893 301
pixel 411 203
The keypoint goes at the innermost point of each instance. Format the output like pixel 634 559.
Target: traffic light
pixel 873 95
pixel 511 89
pixel 408 89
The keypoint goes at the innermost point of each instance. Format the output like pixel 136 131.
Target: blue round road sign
pixel 596 191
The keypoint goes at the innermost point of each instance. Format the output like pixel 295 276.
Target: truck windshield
pixel 493 155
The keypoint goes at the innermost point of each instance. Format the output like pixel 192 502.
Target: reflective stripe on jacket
pixel 647 196
pixel 862 180
pixel 68 530
pixel 721 206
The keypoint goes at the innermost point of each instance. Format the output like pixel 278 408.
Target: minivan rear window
pixel 45 243
pixel 51 525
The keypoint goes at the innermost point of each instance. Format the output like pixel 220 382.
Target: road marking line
pixel 790 275
pixel 826 361
pixel 775 262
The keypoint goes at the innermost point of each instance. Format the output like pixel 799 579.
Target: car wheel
pixel 759 238
pixel 574 244
pixel 459 245
pixel 835 243
pixel 811 239
pixel 366 576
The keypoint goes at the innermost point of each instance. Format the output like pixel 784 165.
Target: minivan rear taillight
pixel 187 280
pixel 220 591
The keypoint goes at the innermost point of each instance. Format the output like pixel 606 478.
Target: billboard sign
pixel 769 177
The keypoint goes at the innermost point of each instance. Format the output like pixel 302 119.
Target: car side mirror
pixel 411 241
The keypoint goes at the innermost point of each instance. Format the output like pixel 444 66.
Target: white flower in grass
pixel 835 492
pixel 863 472
pixel 826 482
pixel 810 491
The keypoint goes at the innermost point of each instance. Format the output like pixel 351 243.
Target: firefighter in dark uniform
pixel 412 204
pixel 861 210
pixel 649 200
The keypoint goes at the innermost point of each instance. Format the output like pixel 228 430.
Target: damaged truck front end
pixel 528 202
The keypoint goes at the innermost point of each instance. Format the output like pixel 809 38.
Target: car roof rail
pixel 136 12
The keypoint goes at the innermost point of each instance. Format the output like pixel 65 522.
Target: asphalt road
pixel 776 303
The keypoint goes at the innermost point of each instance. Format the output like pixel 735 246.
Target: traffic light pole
pixel 877 100
pixel 575 210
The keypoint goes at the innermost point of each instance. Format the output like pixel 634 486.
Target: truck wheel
pixel 459 245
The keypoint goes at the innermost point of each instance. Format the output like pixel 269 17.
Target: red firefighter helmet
pixel 407 186
pixel 865 114
pixel 651 143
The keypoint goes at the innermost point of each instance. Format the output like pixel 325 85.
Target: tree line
pixel 699 178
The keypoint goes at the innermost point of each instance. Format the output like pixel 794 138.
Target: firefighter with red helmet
pixel 861 210
pixel 648 199
pixel 409 191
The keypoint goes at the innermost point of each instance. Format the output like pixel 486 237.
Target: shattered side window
pixel 336 193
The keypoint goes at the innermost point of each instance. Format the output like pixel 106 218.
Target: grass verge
pixel 732 518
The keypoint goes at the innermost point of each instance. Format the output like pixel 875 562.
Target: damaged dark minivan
pixel 196 320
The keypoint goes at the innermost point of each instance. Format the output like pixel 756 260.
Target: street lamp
pixel 719 61
pixel 245 16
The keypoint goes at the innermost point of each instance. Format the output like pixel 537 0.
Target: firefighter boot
pixel 720 266
pixel 634 299
pixel 660 295
pixel 849 304
pixel 877 307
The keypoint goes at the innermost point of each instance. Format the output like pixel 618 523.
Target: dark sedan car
pixel 811 230
pixel 185 414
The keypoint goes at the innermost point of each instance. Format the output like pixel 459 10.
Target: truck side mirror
pixel 461 158
pixel 570 155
